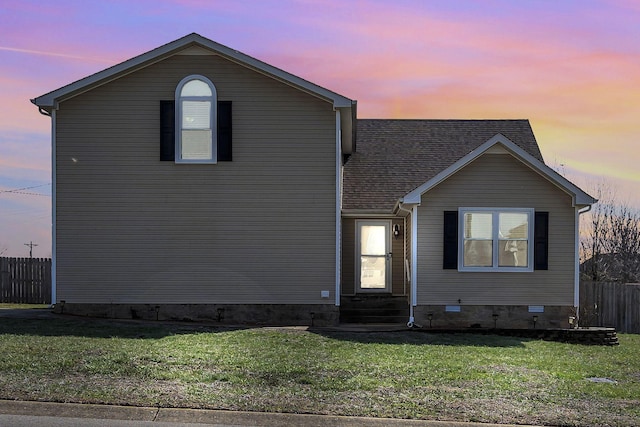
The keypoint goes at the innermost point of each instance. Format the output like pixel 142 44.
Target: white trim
pixel 414 256
pixel 213 119
pixel 54 256
pixel 175 47
pixel 388 224
pixel 580 198
pixel 495 212
pixel 576 265
pixel 406 277
pixel 352 214
pixel 338 208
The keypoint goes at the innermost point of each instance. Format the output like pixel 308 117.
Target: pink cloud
pixel 25 156
pixel 56 54
pixel 572 69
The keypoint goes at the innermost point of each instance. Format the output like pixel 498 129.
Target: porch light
pixel 396 231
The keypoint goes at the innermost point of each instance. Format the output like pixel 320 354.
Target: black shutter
pixel 167 131
pixel 224 131
pixel 541 241
pixel 450 249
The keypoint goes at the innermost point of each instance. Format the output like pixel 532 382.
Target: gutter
pixel 585 210
pixel 40 109
pixel 405 263
pixel 413 297
pixel 54 258
pixel 338 218
pixel 576 274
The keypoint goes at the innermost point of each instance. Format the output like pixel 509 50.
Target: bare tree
pixel 610 243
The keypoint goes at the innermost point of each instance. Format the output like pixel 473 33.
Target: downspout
pixel 414 262
pixel 52 115
pixel 338 206
pixel 407 266
pixel 54 256
pixel 40 109
pixel 576 279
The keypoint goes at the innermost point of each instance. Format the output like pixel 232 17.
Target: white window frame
pixel 495 238
pixel 213 99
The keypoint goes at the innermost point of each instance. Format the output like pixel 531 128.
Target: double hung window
pixel 196 135
pixel 495 239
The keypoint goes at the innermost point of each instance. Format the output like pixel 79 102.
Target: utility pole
pixel 31 245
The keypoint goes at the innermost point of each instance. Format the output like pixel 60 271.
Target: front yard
pixel 395 374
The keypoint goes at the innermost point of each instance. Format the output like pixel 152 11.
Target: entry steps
pixel 374 308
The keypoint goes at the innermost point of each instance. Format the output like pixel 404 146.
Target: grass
pixel 10 306
pixel 401 374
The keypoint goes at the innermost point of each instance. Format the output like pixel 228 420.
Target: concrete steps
pixel 374 308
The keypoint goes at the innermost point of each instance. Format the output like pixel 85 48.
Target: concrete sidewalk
pixel 163 417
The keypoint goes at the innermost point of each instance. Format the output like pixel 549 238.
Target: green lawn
pixel 397 374
pixel 10 306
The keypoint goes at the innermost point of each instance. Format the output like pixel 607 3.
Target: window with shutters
pixel 495 239
pixel 195 122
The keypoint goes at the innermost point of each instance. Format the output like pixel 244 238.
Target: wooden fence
pixel 610 304
pixel 25 280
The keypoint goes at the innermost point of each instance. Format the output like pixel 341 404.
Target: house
pixel 196 182
pixel 488 231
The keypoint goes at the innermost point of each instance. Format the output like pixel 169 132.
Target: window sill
pixel 495 269
pixel 196 162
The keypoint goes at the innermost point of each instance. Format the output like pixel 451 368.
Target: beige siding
pixel 495 180
pixel 133 229
pixel 348 277
pixel 397 260
pixel 349 251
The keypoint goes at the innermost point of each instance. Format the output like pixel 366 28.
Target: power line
pixel 27 193
pixel 18 190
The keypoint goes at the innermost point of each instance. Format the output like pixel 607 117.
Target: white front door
pixel 373 259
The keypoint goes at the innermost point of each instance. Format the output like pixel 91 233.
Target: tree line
pixel 610 240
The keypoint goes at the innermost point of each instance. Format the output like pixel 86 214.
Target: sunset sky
pixel 572 67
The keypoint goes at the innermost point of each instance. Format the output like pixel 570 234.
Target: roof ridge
pixel 171 48
pixel 395 156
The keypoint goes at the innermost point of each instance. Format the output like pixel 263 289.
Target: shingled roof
pixel 393 157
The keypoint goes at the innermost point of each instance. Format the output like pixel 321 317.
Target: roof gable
pixel 501 144
pixel 195 44
pixel 190 44
pixel 394 157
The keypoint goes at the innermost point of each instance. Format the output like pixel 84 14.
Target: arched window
pixel 196 101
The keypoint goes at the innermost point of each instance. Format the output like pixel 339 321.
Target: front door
pixel 373 270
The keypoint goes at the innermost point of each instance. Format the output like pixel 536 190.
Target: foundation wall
pixel 230 314
pixel 482 316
